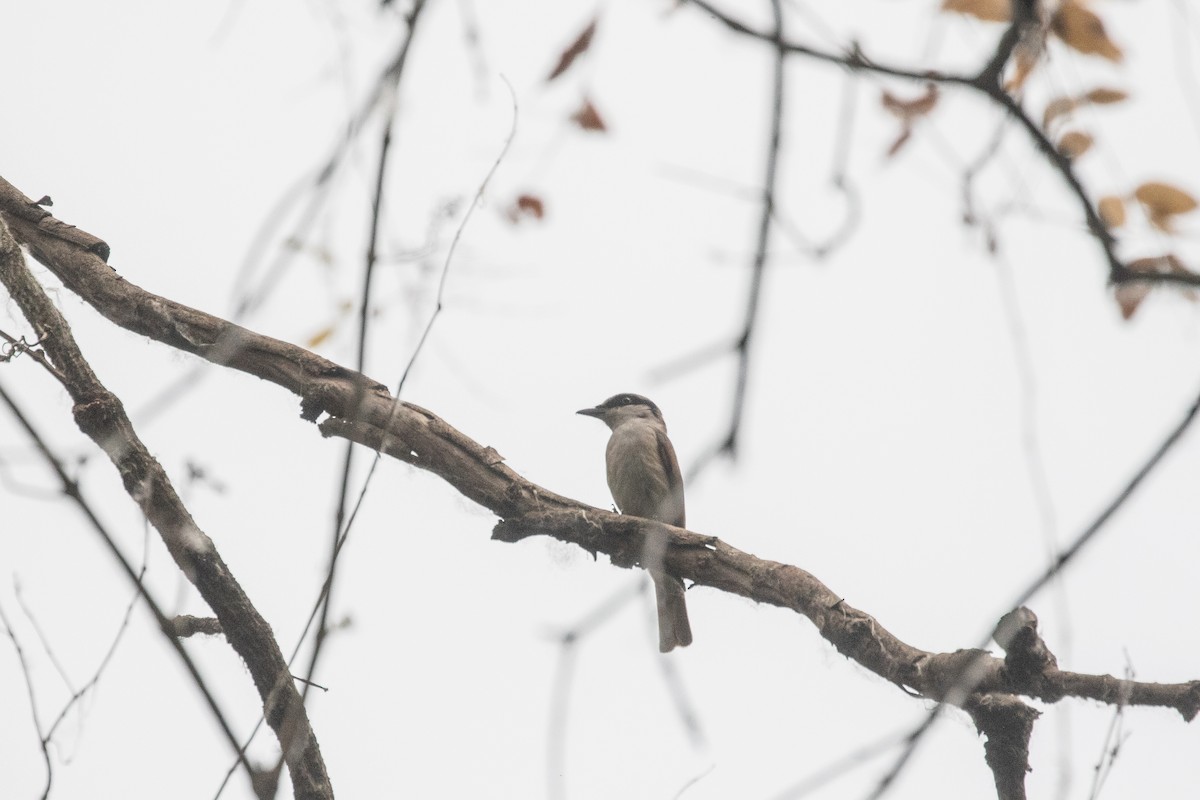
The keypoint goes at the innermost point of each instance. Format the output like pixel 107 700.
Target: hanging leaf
pixel 1081 30
pixel 986 10
pixel 907 111
pixel 1129 296
pixel 588 118
pixel 1165 198
pixel 1103 96
pixel 1058 107
pixel 1163 202
pixel 1027 57
pixel 577 48
pixel 911 109
pixel 318 338
pixel 1112 211
pixel 1062 106
pixel 526 205
pixel 1073 144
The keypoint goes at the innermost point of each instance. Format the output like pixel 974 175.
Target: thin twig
pixel 985 82
pixel 1058 564
pixel 758 267
pixel 37 724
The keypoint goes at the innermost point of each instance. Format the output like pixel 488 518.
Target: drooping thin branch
pixel 763 237
pixel 339 520
pixel 728 445
pixel 33 707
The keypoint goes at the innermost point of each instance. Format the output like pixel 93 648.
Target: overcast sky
pixel 926 421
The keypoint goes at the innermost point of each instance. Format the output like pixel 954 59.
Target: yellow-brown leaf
pixel 987 10
pixel 1073 144
pixel 1026 59
pixel 1058 107
pixel 319 337
pixel 1112 211
pixel 1080 29
pixel 1163 202
pixel 1164 198
pixel 1062 106
pixel 1103 96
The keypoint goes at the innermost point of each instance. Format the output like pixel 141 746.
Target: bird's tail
pixel 674 630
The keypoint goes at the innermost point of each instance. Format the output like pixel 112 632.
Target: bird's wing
pixel 673 513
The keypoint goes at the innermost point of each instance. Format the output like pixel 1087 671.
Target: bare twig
pixel 37 723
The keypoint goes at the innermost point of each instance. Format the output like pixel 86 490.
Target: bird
pixel 645 481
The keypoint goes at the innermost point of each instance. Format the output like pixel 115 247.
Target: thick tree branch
pixel 361 410
pixel 1007 723
pixel 101 416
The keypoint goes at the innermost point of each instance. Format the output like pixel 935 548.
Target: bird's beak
pixel 591 412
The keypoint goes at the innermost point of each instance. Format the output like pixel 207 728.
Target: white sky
pixel 886 434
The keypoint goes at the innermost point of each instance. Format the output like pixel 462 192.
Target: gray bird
pixel 644 478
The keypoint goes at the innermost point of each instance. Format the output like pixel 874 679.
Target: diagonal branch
pixel 101 416
pixel 169 627
pixel 360 410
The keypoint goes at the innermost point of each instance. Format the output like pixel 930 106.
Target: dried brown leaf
pixel 1161 264
pixel 1129 296
pixel 1058 107
pixel 1081 30
pixel 1166 198
pixel 318 338
pixel 1112 211
pixel 1062 106
pixel 1026 59
pixel 577 48
pixel 1103 96
pixel 911 109
pixel 1163 202
pixel 526 205
pixel 1073 144
pixel 588 118
pixel 987 10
